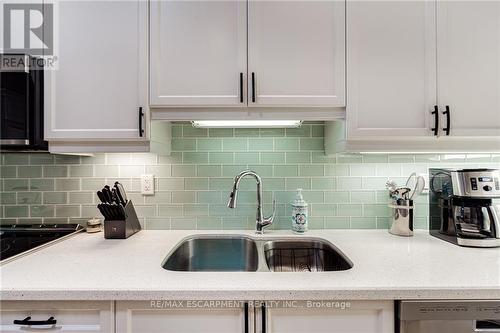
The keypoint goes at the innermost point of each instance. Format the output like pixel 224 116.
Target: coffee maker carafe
pixel 464 206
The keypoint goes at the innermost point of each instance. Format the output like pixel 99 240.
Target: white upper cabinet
pixel 101 80
pixel 468 42
pixel 391 69
pixel 296 53
pixel 198 53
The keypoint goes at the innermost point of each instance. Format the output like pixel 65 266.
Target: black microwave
pixel 21 103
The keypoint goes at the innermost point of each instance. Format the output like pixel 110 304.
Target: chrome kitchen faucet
pixel 261 221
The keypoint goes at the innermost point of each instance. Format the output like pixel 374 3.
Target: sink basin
pixel 304 255
pixel 238 253
pixel 214 254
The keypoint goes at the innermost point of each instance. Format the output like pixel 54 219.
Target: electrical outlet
pixel 148 184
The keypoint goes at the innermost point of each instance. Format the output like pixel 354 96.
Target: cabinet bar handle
pixel 241 87
pixel 448 120
pixel 253 87
pixel 264 324
pixel 28 322
pixel 246 317
pixel 435 129
pixel 141 115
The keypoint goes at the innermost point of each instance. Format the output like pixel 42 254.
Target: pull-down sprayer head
pixel 233 196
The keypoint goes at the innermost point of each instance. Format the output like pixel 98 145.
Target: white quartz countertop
pixel 89 267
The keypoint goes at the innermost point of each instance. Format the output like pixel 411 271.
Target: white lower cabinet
pixel 169 316
pixel 57 316
pixel 274 317
pixel 326 317
pixel 182 316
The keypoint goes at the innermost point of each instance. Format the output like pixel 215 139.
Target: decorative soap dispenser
pixel 299 213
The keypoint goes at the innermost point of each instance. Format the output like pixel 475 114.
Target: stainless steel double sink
pixel 237 253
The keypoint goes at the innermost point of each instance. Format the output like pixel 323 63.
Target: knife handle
pixel 101 196
pixel 103 211
pixel 114 196
pixel 120 192
pixel 107 194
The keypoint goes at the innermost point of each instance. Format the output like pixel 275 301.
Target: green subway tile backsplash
pixel 15 159
pixel 29 171
pixel 15 184
pixel 54 171
pixel 220 132
pixel 29 197
pixel 193 183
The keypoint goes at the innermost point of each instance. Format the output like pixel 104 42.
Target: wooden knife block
pixel 121 229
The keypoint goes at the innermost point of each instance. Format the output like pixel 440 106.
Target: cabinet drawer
pixel 70 316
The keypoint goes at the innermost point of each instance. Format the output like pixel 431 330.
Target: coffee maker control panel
pixel 476 183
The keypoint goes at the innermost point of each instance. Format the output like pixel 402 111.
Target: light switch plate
pixel 148 184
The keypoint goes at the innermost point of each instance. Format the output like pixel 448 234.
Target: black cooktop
pixel 16 239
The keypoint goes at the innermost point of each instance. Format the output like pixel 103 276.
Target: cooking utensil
pixel 419 188
pixel 391 185
pixel 120 192
pixel 113 211
pixel 107 194
pixel 411 181
pixel 113 201
pixel 402 192
pixel 416 184
pixel 105 211
pixel 114 197
pixel 101 196
pixel 121 212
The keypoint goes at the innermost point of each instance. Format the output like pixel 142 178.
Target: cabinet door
pixel 469 66
pixel 391 65
pixel 327 317
pixel 198 53
pixel 296 53
pixel 70 316
pixel 101 79
pixel 182 317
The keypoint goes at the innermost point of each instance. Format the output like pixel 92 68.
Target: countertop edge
pixel 341 294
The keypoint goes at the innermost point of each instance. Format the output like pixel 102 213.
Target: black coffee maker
pixel 464 206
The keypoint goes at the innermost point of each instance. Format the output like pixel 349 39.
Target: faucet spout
pixel 261 221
